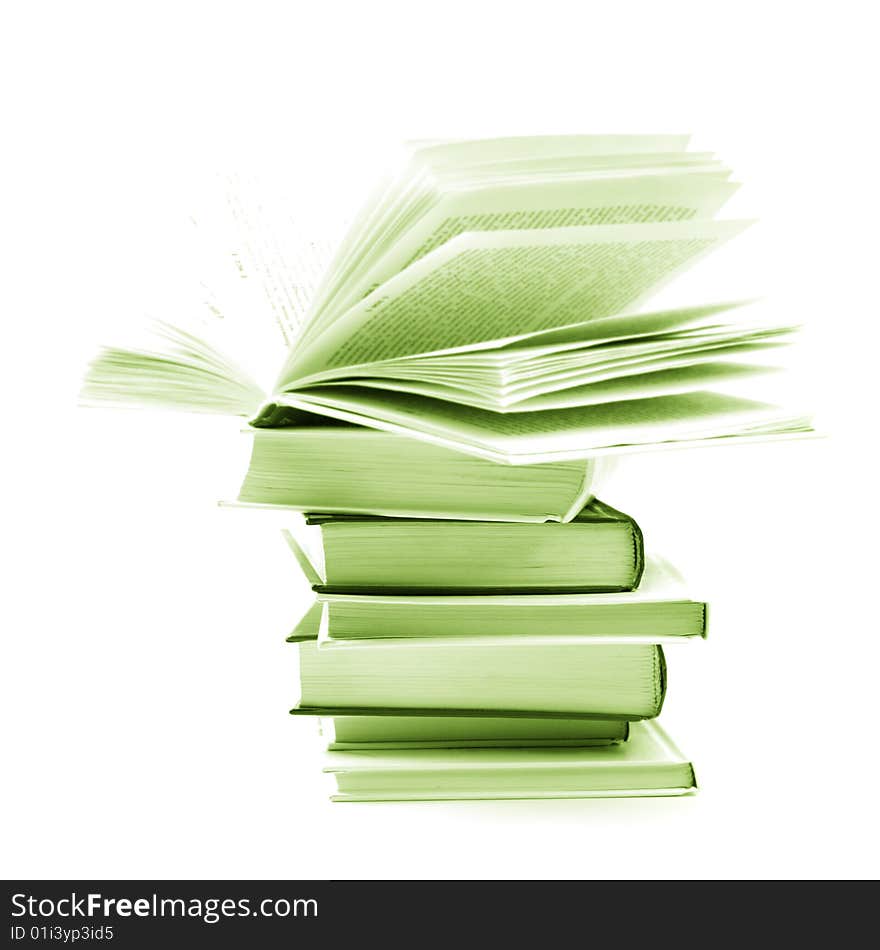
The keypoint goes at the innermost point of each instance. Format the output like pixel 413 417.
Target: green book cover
pixel 508 678
pixel 648 764
pixel 367 732
pixel 347 469
pixel 599 550
pixel 660 610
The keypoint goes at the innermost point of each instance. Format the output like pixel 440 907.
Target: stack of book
pixel 458 659
pixel 483 626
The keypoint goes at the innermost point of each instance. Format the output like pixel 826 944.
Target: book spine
pixel 659 680
pixel 638 541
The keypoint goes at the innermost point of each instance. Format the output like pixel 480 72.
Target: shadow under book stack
pixel 453 658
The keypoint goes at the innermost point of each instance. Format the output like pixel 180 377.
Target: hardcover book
pixel 533 678
pixel 600 549
pixel 355 470
pixel 648 764
pixel 659 610
pixel 353 733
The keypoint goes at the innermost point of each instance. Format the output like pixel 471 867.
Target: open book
pixel 487 299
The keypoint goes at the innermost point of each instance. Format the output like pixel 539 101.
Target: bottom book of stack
pixel 411 758
pixel 517 717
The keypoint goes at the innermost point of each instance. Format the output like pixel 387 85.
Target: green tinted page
pixel 493 285
pixel 577 201
pixel 555 434
pixel 680 376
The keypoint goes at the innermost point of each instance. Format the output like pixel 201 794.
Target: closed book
pixel 659 610
pixel 464 732
pixel 354 470
pixel 600 549
pixel 648 764
pixel 508 677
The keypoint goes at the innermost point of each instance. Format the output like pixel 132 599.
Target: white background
pixel 145 678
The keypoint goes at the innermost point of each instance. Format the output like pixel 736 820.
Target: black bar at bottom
pixel 279 913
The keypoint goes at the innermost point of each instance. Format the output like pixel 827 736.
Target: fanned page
pixel 170 367
pixel 585 364
pixel 484 299
pixel 493 285
pixel 248 261
pixel 559 434
pixel 668 379
pixel 427 170
pixel 569 201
